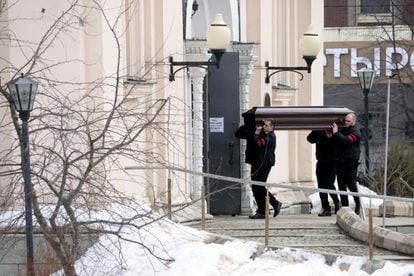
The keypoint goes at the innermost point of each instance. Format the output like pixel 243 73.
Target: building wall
pixel 352 13
pixel 352 48
pixel 277 27
pixel 336 13
pixel 149 32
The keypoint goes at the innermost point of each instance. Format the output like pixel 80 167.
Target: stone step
pixel 308 232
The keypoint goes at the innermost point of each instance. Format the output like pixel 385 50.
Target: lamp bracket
pixel 295 69
pixel 187 64
pixel 281 69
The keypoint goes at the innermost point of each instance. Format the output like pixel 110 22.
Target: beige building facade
pixel 145 33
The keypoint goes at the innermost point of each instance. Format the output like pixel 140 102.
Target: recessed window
pixel 375 6
pixel 373 12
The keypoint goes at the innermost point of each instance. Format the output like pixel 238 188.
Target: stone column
pixel 196 50
pixel 247 56
pixel 197 80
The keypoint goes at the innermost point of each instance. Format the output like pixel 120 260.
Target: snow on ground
pixel 166 248
pixel 366 202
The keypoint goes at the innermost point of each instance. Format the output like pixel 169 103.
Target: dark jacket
pixel 265 145
pixel 247 133
pixel 347 143
pixel 260 148
pixel 325 146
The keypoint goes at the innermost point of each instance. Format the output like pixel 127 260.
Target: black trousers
pixel 260 173
pixel 346 172
pixel 325 175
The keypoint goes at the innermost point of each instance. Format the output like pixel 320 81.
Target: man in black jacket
pixel 347 151
pixel 325 168
pixel 260 154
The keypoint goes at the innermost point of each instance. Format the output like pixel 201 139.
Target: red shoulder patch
pixel 352 138
pixel 261 143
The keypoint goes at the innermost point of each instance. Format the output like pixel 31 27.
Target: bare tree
pixel 393 33
pixel 81 132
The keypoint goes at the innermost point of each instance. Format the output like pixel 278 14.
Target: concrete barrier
pixel 384 238
pixel 395 208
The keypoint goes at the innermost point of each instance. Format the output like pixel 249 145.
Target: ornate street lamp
pixel 310 45
pixel 23 91
pixel 218 39
pixel 366 80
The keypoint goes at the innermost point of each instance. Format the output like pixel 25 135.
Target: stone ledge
pixel 384 238
pixel 395 208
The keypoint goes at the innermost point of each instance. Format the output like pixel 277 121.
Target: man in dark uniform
pixel 347 151
pixel 260 154
pixel 325 168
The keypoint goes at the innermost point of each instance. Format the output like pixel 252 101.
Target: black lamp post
pixel 218 39
pixel 366 79
pixel 310 44
pixel 23 91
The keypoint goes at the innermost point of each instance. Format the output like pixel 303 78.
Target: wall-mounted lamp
pixel 218 39
pixel 310 44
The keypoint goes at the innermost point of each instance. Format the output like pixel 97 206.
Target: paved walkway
pixel 309 232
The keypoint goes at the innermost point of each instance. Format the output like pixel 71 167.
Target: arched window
pixel 267 101
pixel 196 22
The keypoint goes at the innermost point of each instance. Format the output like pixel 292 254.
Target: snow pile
pixel 157 246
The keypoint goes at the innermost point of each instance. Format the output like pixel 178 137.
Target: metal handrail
pixel 286 185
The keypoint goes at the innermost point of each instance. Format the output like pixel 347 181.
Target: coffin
pixel 297 117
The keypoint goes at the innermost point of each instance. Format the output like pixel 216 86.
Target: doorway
pixel 221 148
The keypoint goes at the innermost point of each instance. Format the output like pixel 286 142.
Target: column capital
pixel 196 50
pixel 197 74
pixel 247 54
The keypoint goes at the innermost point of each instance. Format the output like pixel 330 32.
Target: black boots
pixel 325 213
pixel 277 208
pixel 337 207
pixel 358 209
pixel 257 216
pixel 276 211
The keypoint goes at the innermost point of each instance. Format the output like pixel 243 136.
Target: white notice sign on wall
pixel 217 124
